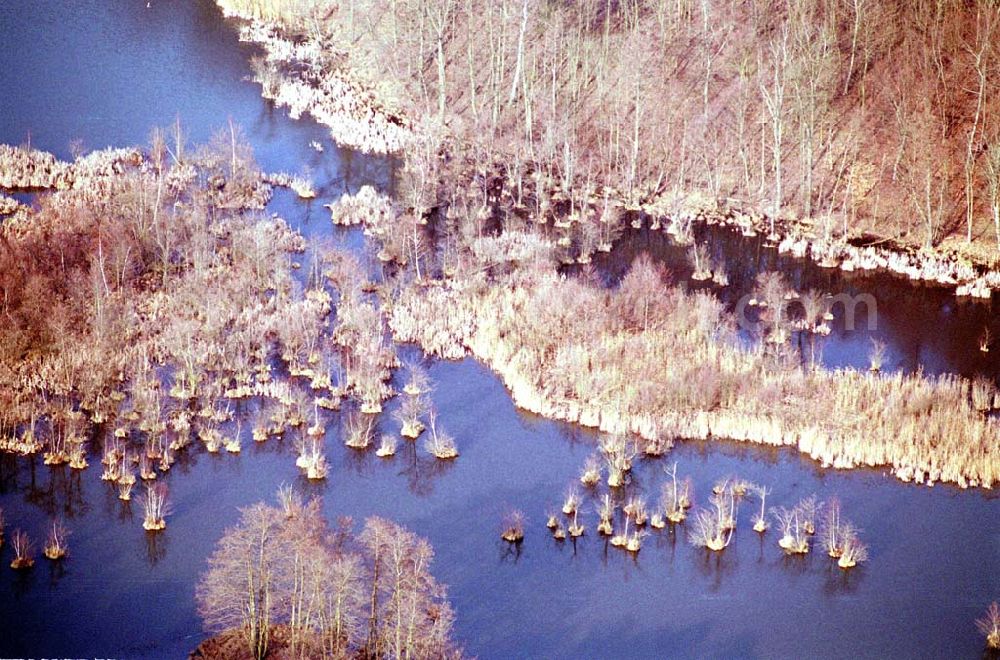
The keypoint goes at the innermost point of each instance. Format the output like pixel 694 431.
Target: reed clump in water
pixel 387 446
pixel 989 626
pixel 155 508
pixel 590 476
pixel 367 207
pixel 23 551
pixel 55 543
pixel 571 502
pixel 513 527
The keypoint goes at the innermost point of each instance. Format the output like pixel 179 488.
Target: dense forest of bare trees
pixel 850 115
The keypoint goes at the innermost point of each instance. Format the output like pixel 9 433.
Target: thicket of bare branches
pixel 326 592
pixel 148 298
pixel 857 115
pixel 989 626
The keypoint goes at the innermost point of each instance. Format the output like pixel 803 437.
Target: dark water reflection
pixel 106 72
pixel 923 326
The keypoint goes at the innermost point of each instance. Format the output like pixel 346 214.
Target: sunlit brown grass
pixel 653 361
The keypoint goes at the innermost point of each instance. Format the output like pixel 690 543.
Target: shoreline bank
pixel 298 76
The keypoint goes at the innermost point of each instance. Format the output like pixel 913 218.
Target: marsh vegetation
pixel 161 314
pixel 615 364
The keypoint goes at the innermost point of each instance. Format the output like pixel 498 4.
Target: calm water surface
pixel 105 72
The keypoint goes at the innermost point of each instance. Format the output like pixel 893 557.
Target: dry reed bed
pixel 305 77
pixel 9 205
pixel 22 167
pixel 568 351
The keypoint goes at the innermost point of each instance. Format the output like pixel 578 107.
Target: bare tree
pixel 858 10
pixel 978 52
pixel 993 185
pixel 408 616
pixel 237 591
pixel 773 94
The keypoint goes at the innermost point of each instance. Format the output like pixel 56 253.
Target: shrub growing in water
pixel 676 496
pixel 23 550
pixel 440 443
pixel 55 544
pixel 513 527
pixel 989 625
pixel 714 528
pixel 155 508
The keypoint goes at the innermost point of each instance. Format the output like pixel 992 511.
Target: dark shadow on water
pixel 156 546
pixel 840 582
pixel 510 552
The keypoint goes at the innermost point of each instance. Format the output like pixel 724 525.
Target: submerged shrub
pixel 440 443
pixel 989 626
pixel 155 508
pixel 23 550
pixel 55 544
pixel 513 527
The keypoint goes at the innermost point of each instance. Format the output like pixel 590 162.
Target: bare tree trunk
pixel 520 53
pixel 982 42
pixel 774 100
